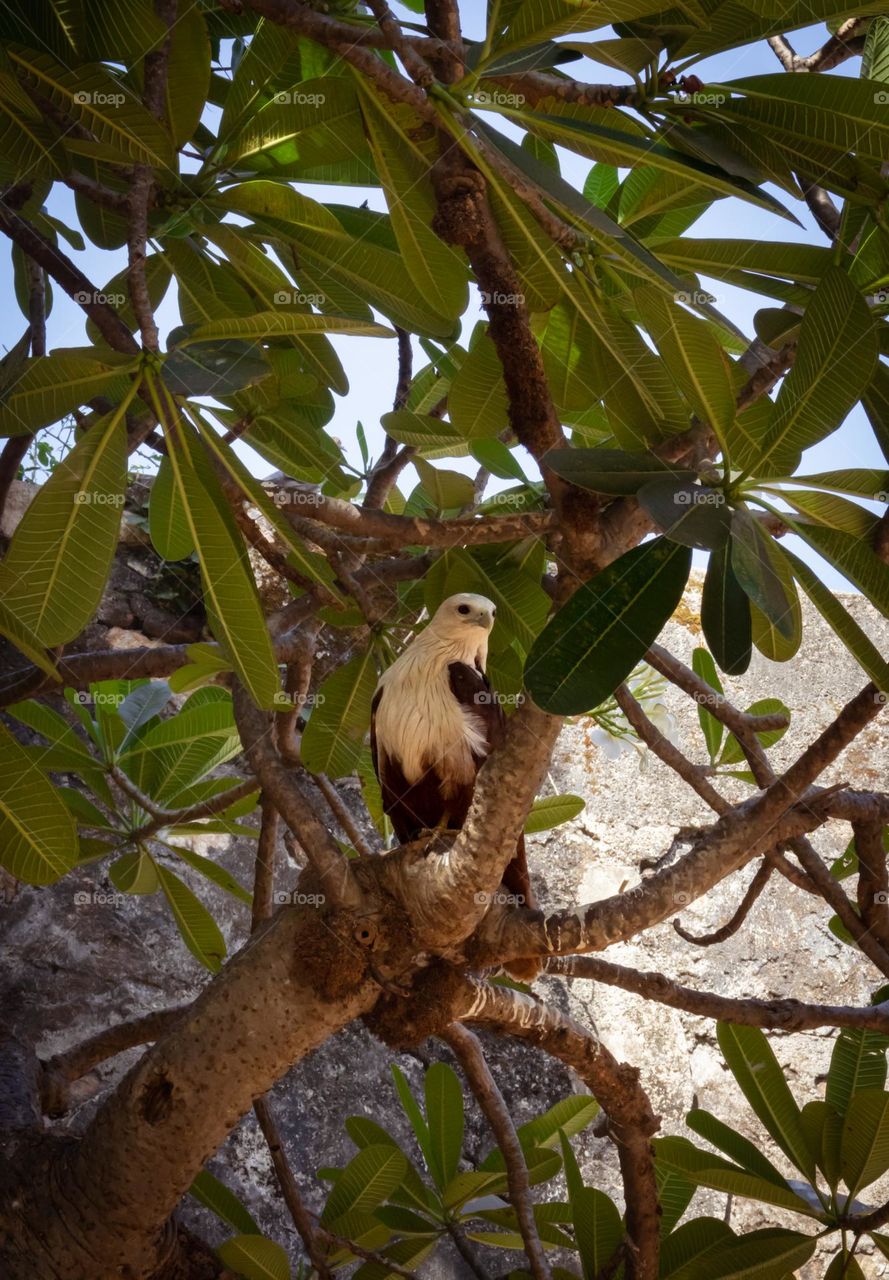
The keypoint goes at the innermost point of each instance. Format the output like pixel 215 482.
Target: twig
pixel 873 879
pixel 278 783
pixel 264 874
pixel 754 889
pixel 777 1015
pixel 342 814
pixel 16 447
pixel 385 471
pixel 468 1052
pixel 395 530
pixel 616 1088
pixel 205 809
pixel 663 748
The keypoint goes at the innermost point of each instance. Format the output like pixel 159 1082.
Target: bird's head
pixel 456 617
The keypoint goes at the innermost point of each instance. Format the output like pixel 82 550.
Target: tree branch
pixel 468 1052
pixel 776 1015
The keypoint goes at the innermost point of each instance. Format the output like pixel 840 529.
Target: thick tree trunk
pixel 101 1208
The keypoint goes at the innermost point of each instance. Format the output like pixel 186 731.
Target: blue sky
pixel 371 363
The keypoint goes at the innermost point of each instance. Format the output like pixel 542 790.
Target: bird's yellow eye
pixel 462 608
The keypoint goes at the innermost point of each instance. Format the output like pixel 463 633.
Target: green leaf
pixel 683 1250
pixel 755 1067
pixel 447 490
pixel 842 623
pixel 704 1169
pixel 864 1151
pixel 199 930
pixel 167 522
pixel 55 571
pixel 420 429
pixel 278 324
pixel 340 719
pixel 696 361
pixel 769 1254
pixel 691 514
pixel 598 1229
pixel 734 1145
pixel 858 1062
pixel 102 104
pixel 255 1258
pixel 712 729
pixel 54 385
pixel 611 471
pixel 135 873
pixel 732 753
pixel 835 362
pixel 764 573
pixel 437 270
pixel 598 637
pixel 38 841
pixel 215 1196
pixel 477 402
pixel 552 811
pixel 367 1181
pixel 725 615
pixel 229 586
pixel 498 458
pixel 852 556
pixel 444 1117
pixel 14 630
pixel 212 870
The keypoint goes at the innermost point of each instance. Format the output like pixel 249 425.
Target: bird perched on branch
pixel 435 719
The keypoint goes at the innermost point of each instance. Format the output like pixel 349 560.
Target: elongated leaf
pixel 444 1116
pixel 834 364
pixel 26 642
pixel 57 564
pixel 215 1195
pixel 437 270
pixel 598 637
pixel 340 719
pixel 695 360
pixel 366 1182
pixel 101 103
pixel 725 615
pixel 852 556
pixel 229 586
pixel 51 386
pixel 552 811
pixel 135 873
pixel 770 1254
pixel 683 1250
pixel 610 470
pixel 255 1258
pixel 864 1151
pixel 841 622
pixel 858 1062
pixel 735 1145
pixel 167 522
pixel 276 324
pixel 704 1169
pixel 199 930
pixel 477 400
pixel 762 570
pixel 420 429
pixel 38 841
pixel 761 1080
pixel 212 871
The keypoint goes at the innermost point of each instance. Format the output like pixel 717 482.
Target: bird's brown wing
pixel 411 807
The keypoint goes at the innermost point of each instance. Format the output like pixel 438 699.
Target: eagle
pixel 434 720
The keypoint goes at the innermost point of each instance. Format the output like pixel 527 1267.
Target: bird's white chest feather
pixel 419 722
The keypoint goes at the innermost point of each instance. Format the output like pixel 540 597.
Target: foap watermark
pixel 99 99
pixel 881 98
pixel 699 498
pixel 292 898
pixel 98 898
pixel 881 496
pixel 502 299
pixel 500 898
pixel 294 297
pixel 881 697
pixel 694 297
pixel 84 698
pixel 94 297
pixel 296 498
pixel 490 697
pixel 699 98
pixel 497 98
pixel 681 898
pixel 296 98
pixel 87 498
pixel 285 701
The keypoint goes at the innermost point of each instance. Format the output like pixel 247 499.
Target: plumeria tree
pixel 615 419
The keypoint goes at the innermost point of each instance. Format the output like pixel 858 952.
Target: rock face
pixel 86 958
